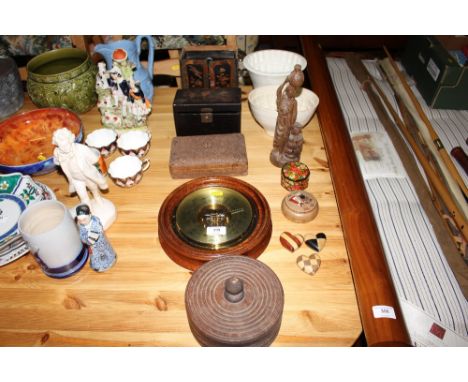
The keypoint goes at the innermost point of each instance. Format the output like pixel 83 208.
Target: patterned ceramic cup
pixel 135 142
pixel 127 170
pixel 105 140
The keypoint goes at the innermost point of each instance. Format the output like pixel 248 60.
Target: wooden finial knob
pixel 234 289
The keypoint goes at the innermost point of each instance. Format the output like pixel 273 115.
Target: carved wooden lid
pixel 234 301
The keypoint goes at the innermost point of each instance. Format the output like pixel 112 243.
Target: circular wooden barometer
pixel 207 218
pixel 234 301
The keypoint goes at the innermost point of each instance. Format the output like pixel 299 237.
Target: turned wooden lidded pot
pixel 234 301
pixel 300 206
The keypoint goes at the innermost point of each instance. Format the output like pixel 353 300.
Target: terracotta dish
pixel 26 139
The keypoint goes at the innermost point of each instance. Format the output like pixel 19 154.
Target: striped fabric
pixel 421 274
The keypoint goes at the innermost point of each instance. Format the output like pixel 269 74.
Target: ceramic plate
pixel 11 208
pixel 17 191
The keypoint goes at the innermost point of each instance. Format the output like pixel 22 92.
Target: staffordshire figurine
pixel 80 166
pixel 122 102
pixel 102 255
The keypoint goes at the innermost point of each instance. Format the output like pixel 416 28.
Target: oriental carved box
pixel 207 111
pixel 208 67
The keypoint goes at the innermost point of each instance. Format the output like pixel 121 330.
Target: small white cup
pixel 104 140
pixel 135 142
pixel 127 170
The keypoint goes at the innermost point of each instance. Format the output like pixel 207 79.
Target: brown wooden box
pixel 208 67
pixel 206 155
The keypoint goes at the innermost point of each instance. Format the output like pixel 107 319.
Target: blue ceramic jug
pixel 133 49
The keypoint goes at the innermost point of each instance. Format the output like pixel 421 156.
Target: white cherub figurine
pixel 78 164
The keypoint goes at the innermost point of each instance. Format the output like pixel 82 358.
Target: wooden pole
pixel 442 233
pixel 441 230
pixel 372 279
pixel 457 214
pixel 448 236
pixel 434 143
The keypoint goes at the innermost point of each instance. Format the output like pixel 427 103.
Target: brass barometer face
pixel 214 218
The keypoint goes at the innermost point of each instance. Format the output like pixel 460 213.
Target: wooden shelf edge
pixel 372 279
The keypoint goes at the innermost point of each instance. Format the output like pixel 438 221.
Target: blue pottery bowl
pixel 26 139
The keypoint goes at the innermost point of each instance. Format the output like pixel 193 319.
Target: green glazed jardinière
pixel 63 78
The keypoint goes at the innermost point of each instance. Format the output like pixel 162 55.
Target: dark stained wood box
pixel 208 67
pixel 208 155
pixel 207 111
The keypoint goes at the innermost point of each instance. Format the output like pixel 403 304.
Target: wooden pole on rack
pixel 372 280
pixel 451 188
pixel 448 236
pixel 441 231
pixel 457 215
pixel 438 147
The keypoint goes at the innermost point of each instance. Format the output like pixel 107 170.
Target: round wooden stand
pixel 191 257
pixel 234 301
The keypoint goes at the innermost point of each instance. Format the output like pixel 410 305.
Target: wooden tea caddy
pixel 234 301
pixel 209 67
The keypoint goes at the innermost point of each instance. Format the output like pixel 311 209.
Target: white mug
pixel 53 238
pixel 127 170
pixel 135 142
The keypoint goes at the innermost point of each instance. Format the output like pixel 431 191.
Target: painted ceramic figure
pixel 102 255
pixel 288 141
pixel 79 164
pixel 122 102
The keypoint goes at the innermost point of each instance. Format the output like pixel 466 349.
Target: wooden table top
pixel 140 301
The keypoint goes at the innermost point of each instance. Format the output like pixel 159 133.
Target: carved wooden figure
pixel 288 141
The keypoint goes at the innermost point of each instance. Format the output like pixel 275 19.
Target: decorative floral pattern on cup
pixel 127 171
pixel 134 142
pixel 105 140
